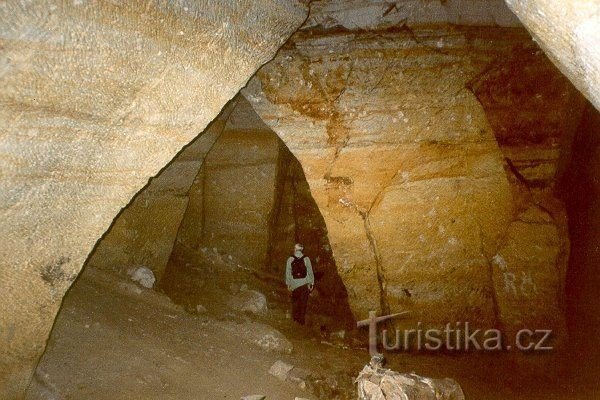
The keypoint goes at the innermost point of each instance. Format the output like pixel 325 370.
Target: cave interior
pixel 449 170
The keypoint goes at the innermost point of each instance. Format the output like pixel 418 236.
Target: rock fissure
pixel 383 304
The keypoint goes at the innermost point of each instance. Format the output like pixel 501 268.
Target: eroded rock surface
pixel 234 193
pixel 144 232
pixel 420 194
pixel 529 273
pixel 533 109
pixel 569 33
pixel 421 210
pixel 386 14
pixel 249 203
pixel 97 97
pixel 401 161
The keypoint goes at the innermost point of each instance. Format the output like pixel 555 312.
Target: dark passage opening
pixel 580 189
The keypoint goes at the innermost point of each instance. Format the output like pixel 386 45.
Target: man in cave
pixel 300 279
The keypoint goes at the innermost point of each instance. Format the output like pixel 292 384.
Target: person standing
pixel 300 280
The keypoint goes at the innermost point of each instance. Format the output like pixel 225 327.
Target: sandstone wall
pixel 238 189
pixel 386 14
pixel 249 204
pixel 231 200
pixel 400 160
pixel 580 187
pixel 229 211
pixel 569 33
pixel 143 234
pixel 297 219
pixel 533 109
pixel 422 211
pixel 97 97
pixel 529 272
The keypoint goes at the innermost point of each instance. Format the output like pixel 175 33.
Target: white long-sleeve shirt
pixel 292 283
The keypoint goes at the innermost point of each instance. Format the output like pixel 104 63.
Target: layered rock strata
pixel 408 174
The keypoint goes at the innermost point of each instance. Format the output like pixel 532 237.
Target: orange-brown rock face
pixel 409 177
pixel 401 161
pixel 529 272
pixel 533 110
pixel 249 203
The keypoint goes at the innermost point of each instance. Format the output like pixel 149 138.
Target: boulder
pixel 250 301
pixel 280 370
pixel 273 341
pixel 144 276
pixel 301 377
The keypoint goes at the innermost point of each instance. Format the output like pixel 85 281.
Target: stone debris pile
pixel 378 383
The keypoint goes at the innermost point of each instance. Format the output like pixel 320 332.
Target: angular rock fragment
pixel 377 383
pixel 280 370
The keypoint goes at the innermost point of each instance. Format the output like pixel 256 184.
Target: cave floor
pixel 112 342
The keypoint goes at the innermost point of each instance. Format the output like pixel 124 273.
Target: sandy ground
pixel 111 343
pixel 113 340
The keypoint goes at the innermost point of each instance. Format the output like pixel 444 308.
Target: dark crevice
pixel 579 187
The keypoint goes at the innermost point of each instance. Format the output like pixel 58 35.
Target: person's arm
pixel 288 273
pixel 310 276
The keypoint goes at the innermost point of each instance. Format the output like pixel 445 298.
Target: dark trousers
pixel 299 303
